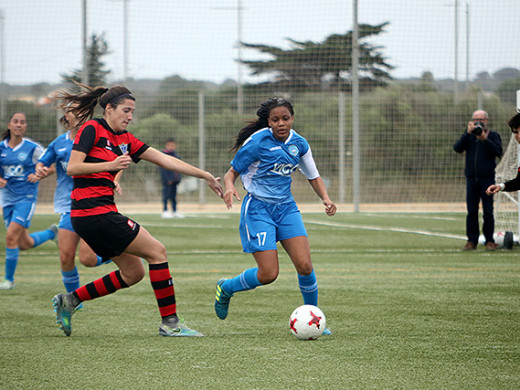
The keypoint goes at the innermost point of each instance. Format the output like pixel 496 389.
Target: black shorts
pixel 107 234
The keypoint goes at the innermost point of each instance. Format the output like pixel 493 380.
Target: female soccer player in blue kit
pixel 58 153
pixel 19 189
pixel 268 152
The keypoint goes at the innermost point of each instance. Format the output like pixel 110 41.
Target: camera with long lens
pixel 479 128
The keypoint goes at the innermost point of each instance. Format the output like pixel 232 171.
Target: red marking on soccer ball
pixel 315 320
pixel 291 325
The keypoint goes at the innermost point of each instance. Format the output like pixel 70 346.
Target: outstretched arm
pixel 319 187
pixel 174 164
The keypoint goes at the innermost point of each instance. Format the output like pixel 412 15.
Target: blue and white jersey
pixel 58 152
pixel 265 164
pixel 17 164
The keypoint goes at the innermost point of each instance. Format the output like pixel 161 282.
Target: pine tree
pixel 323 65
pixel 97 47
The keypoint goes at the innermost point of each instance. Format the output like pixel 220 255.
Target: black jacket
pixel 480 155
pixel 168 176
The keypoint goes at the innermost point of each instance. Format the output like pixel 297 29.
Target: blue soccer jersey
pixel 58 152
pixel 265 165
pixel 17 164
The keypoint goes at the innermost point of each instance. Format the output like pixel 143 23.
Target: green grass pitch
pixel 408 310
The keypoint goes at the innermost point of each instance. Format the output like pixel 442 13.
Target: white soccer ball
pixel 307 322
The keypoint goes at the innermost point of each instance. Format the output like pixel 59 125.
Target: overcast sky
pixel 197 39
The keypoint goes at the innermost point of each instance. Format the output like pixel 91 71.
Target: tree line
pixel 407 128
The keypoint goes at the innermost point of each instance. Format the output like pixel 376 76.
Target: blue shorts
pixel 21 213
pixel 65 222
pixel 263 224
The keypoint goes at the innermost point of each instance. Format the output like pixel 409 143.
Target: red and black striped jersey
pixel 93 194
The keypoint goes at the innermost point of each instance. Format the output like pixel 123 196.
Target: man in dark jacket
pixel 482 147
pixel 170 180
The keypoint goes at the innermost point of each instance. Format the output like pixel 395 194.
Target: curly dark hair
pixel 263 115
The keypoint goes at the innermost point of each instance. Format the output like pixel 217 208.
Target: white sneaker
pixel 178 215
pixel 166 214
pixel 6 285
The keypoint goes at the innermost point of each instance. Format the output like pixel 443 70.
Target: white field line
pixel 389 229
pixel 413 216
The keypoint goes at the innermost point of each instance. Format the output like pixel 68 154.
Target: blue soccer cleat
pixel 326 332
pixel 221 300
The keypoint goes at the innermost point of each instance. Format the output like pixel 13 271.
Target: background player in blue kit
pixel 268 152
pixel 19 186
pixel 58 153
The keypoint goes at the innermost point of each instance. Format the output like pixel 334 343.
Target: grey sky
pixel 197 39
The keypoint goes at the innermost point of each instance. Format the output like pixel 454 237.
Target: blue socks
pixel 11 255
pixel 247 280
pixel 70 279
pixel 309 288
pixel 99 261
pixel 11 261
pixel 41 237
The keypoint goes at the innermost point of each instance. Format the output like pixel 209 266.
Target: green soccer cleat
pixel 177 329
pixel 64 310
pixel 6 285
pixel 221 300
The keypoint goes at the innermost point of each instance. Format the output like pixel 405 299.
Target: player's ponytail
pixel 84 101
pixel 88 98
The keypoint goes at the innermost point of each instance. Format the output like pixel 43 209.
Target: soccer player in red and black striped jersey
pixel 102 148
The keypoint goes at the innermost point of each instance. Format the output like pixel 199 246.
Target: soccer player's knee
pixel 158 254
pixel 89 261
pixel 11 240
pixel 67 259
pixel 134 276
pixel 139 273
pixel 267 276
pixel 305 269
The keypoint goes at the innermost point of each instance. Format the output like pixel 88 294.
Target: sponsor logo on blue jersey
pixel 284 169
pixel 13 170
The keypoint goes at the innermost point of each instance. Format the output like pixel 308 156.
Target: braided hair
pixel 263 115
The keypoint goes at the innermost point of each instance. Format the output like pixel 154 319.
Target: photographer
pixel 482 147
